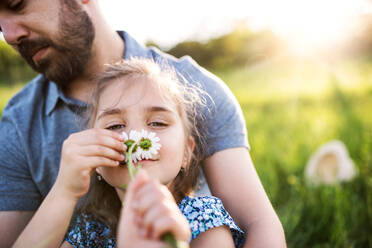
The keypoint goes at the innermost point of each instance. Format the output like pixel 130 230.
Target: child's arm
pixel 218 237
pixel 232 177
pixel 50 222
pixel 81 154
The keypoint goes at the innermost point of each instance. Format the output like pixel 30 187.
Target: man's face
pixel 60 54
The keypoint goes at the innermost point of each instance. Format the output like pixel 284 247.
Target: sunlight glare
pixel 308 26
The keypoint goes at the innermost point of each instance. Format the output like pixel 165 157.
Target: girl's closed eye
pixel 158 124
pixel 115 127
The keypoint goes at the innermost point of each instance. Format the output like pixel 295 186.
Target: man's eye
pixel 115 127
pixel 16 5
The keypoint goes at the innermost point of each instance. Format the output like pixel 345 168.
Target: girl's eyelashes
pixel 157 124
pixel 115 127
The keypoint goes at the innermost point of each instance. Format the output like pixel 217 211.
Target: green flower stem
pixel 172 242
pixel 128 157
pixel 167 237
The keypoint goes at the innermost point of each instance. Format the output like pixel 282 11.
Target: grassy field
pixel 292 107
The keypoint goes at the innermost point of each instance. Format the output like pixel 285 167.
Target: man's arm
pixel 12 224
pixel 232 177
pixel 18 193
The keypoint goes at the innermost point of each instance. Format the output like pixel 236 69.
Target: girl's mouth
pixel 124 163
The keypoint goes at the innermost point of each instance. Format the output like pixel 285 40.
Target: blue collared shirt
pixel 40 117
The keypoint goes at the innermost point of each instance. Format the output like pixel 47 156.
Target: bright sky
pixel 171 21
pixel 305 23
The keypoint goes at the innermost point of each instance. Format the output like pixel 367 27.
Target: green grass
pixel 292 107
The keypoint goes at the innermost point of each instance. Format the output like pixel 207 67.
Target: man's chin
pixel 59 73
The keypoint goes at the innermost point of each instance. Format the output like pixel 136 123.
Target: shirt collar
pixel 132 49
pixel 55 94
pixel 51 98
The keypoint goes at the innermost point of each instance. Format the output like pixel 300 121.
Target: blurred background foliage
pixel 292 105
pixel 13 69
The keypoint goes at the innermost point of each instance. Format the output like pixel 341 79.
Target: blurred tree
pixel 238 48
pixel 153 44
pixel 198 51
pixel 360 43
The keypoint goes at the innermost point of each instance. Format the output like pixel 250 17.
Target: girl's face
pixel 139 105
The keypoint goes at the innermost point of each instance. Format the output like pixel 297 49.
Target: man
pixel 68 41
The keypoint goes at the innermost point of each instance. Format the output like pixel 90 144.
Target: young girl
pixel 132 95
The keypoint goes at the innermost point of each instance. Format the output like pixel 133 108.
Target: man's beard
pixel 73 46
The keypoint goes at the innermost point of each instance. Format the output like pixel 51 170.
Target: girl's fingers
pixel 146 244
pixel 163 225
pixel 94 162
pixel 156 212
pixel 98 132
pixel 142 178
pixel 98 137
pixel 137 182
pixel 103 151
pixel 150 194
pixel 166 218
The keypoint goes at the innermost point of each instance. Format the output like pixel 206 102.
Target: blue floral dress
pixel 203 213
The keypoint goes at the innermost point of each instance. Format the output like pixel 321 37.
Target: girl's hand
pixel 149 212
pixel 129 232
pixel 83 152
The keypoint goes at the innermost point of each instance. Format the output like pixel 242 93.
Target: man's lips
pixel 39 54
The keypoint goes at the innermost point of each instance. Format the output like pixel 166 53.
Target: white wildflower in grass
pixel 330 164
pixel 140 145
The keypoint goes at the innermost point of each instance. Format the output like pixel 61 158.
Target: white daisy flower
pixel 124 135
pixel 145 144
pixel 330 164
pixel 130 140
pixel 148 144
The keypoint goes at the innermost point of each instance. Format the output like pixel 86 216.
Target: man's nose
pixel 13 33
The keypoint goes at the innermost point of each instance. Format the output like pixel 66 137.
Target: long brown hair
pixel 102 201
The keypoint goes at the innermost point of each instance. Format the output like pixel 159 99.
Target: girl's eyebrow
pixel 159 109
pixel 117 111
pixel 111 111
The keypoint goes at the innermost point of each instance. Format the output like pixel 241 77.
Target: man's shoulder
pixel 29 97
